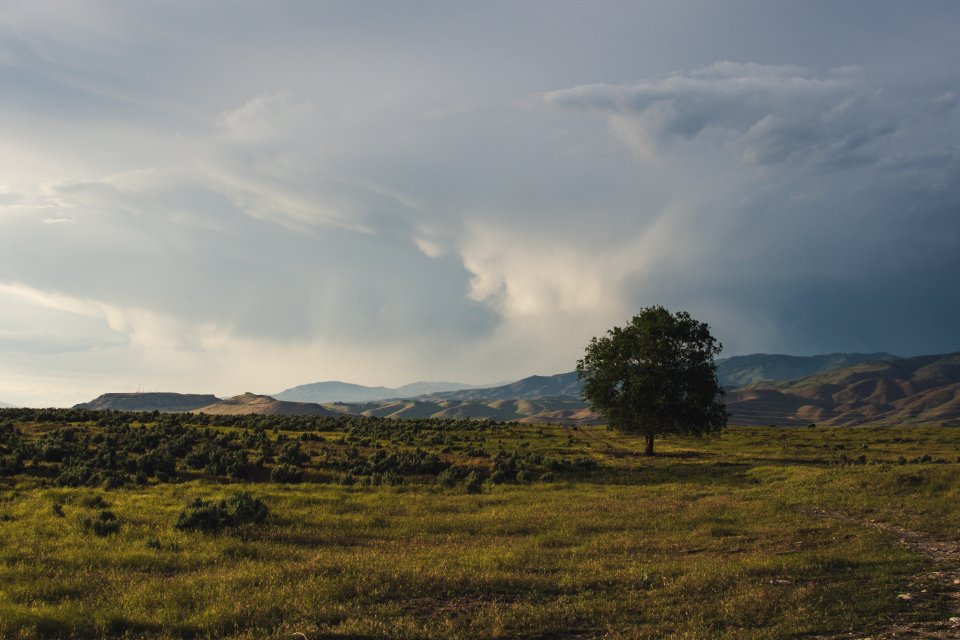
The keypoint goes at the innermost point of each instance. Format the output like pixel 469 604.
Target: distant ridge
pixel 336 391
pixel 264 405
pixel 561 384
pixel 738 371
pixel 545 409
pixel 4 405
pixel 879 387
pixel 907 390
pixel 731 372
pixel 159 401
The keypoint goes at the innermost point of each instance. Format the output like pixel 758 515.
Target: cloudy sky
pixel 229 196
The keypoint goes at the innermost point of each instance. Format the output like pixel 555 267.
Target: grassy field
pixel 757 533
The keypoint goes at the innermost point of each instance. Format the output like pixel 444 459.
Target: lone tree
pixel 655 376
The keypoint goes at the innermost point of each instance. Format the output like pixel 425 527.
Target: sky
pixel 223 197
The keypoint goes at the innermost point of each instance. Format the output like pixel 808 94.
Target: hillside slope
pixel 547 409
pixel 738 371
pixel 264 405
pixel 731 372
pixel 561 384
pixel 149 402
pixel 336 391
pixel 907 390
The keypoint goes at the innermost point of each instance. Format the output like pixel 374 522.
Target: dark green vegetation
pixel 169 526
pixel 76 448
pixel 655 376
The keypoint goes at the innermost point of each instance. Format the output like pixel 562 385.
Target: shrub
pixel 473 483
pixel 292 454
pixel 286 473
pixel 211 516
pixel 447 478
pixel 9 466
pixel 95 502
pixel 76 476
pixel 246 509
pixel 104 524
pixel 113 480
pixel 392 479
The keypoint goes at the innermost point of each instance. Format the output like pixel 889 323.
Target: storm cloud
pixel 221 198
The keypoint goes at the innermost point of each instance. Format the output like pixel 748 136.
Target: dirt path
pixel 941 578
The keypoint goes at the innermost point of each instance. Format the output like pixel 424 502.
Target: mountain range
pixel 738 371
pixel 888 390
pixel 731 373
pixel 561 384
pixel 905 390
pixel 565 409
pixel 336 391
pixel 4 405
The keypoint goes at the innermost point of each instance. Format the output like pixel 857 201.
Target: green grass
pixel 712 539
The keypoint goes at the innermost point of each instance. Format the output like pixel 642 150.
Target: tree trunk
pixel 649 450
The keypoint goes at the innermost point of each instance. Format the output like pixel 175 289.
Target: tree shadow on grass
pixel 719 473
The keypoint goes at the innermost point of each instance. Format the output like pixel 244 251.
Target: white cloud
pixel 270 119
pixel 9 198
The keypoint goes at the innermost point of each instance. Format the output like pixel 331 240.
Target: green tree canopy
pixel 655 376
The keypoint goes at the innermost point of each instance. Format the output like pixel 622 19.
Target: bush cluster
pixel 103 524
pixel 211 516
pixel 112 449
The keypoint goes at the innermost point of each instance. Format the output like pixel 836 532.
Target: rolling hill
pixel 889 390
pixel 732 372
pixel 547 409
pixel 738 371
pixel 336 391
pixel 149 402
pixel 561 384
pixel 906 390
pixel 264 405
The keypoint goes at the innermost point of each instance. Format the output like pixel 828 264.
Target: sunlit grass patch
pixel 716 538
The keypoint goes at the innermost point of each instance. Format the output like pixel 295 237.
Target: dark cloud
pixel 772 114
pixel 241 198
